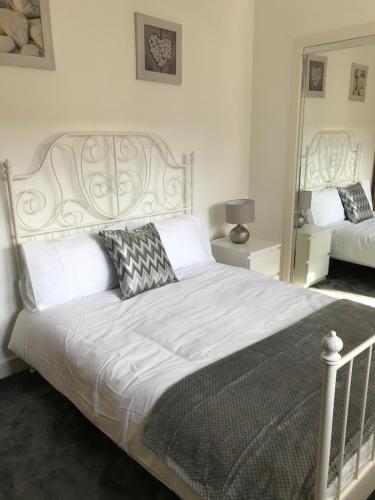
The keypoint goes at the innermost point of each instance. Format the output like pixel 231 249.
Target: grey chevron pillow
pixel 356 205
pixel 140 259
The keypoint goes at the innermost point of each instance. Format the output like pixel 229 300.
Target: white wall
pixel 278 27
pixel 94 87
pixel 336 112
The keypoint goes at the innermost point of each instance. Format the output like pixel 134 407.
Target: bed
pixel 116 359
pixel 354 242
pixel 79 347
pixel 332 160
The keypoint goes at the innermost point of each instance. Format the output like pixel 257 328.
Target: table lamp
pixel 239 212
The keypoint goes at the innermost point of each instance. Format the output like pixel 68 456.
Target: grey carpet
pixel 49 451
pixel 347 277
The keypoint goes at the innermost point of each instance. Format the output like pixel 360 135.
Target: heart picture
pixel 316 76
pixel 316 70
pixel 161 49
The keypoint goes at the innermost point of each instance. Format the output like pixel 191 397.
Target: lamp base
pixel 239 234
pixel 299 220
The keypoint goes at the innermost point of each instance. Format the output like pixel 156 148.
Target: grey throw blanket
pixel 246 426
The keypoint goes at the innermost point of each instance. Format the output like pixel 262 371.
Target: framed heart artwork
pixel 158 49
pixel 316 76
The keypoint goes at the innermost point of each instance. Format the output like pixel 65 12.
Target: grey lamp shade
pixel 240 211
pixel 304 200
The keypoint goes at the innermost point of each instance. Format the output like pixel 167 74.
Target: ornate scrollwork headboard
pixel 330 160
pixel 87 181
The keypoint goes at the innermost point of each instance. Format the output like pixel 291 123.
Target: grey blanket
pixel 246 426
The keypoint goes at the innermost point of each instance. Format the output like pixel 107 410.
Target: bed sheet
pixel 114 358
pixel 354 242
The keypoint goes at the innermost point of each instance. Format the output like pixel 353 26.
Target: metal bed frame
pixel 331 159
pixel 87 181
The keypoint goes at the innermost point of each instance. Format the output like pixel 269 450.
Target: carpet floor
pixel 49 451
pixel 349 278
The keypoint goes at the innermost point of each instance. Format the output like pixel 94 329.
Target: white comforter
pixel 354 242
pixel 114 358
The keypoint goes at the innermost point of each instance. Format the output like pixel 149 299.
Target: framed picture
pixel 358 82
pixel 159 51
pixel 316 71
pixel 25 34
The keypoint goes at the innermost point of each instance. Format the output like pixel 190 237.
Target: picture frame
pixel 39 42
pixel 316 73
pixel 358 82
pixel 158 49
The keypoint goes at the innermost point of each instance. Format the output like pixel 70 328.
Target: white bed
pixel 114 358
pixel 354 242
pixel 332 159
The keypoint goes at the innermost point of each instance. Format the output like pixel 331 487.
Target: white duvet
pixel 354 242
pixel 113 358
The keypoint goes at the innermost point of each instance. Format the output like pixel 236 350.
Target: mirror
pixel 334 219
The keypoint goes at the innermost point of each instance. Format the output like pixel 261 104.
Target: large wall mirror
pixel 334 220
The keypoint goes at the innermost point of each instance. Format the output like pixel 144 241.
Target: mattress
pixel 354 242
pixel 114 358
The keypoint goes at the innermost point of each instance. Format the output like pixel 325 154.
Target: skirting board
pixel 11 365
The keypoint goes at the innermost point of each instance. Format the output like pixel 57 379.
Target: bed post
pixel 7 170
pixel 330 356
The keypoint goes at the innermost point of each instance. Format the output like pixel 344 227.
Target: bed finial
pixel 188 159
pixel 332 345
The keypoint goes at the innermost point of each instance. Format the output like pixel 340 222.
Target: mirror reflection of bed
pixel 335 223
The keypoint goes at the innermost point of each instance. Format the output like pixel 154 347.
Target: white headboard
pixel 87 181
pixel 331 159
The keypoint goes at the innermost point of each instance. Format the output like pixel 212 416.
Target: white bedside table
pixel 313 246
pixel 256 255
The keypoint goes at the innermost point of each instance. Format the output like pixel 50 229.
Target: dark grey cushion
pixel 356 205
pixel 140 259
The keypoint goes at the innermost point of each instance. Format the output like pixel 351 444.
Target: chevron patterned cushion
pixel 140 259
pixel 355 202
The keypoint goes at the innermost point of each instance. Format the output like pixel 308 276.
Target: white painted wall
pixel 94 87
pixel 336 112
pixel 279 27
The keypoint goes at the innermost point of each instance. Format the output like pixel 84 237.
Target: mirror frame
pixel 353 36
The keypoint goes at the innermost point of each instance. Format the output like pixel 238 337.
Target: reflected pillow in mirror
pixel 356 205
pixel 326 207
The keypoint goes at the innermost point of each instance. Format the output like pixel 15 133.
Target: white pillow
pixel 367 189
pixel 326 207
pixel 185 240
pixel 62 270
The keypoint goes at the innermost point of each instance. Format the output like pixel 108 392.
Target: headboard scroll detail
pixel 87 181
pixel 331 159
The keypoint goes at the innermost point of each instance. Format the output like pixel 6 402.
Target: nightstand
pixel 256 255
pixel 313 246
